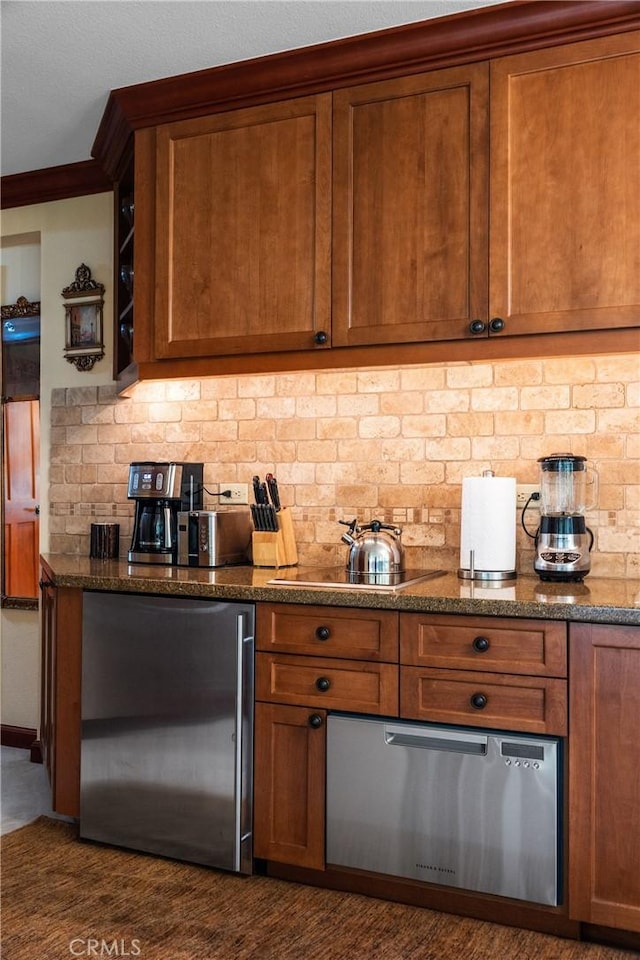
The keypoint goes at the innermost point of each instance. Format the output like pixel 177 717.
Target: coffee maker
pixel 568 488
pixel 161 491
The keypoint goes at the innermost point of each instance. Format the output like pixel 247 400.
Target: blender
pixel 563 541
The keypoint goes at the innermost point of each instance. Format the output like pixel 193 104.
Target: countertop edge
pixel 108 578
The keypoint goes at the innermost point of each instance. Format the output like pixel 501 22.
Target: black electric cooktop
pixel 336 577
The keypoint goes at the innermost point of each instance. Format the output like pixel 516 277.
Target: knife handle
pixel 272 483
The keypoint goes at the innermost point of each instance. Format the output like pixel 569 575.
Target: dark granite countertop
pixel 597 600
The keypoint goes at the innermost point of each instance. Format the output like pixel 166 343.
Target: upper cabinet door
pixel 565 187
pixel 410 208
pixel 242 213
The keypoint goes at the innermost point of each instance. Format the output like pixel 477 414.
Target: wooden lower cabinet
pixel 499 701
pixel 61 678
pixel 536 648
pixel 289 784
pixel 496 672
pixel 604 775
pixel 351 685
pixel 290 741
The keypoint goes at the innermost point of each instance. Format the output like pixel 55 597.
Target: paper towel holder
pixel 470 572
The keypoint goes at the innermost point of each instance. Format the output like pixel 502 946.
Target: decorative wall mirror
pixel 20 349
pixel 83 318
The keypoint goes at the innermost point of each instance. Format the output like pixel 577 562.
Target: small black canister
pixel 105 541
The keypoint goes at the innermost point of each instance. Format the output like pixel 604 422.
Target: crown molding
pixel 472 35
pixel 53 183
pixel 431 44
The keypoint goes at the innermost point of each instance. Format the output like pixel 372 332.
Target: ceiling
pixel 60 58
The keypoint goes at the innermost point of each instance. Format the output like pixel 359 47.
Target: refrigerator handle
pixel 241 703
pixel 434 739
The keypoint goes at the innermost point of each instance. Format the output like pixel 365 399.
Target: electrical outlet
pixel 524 491
pixel 238 493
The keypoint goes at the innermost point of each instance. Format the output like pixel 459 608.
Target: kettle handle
pixel 376 525
pixel 348 537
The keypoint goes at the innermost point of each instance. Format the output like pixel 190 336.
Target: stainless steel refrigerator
pixel 167 727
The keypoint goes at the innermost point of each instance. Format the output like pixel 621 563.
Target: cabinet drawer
pixel 532 647
pixel 328 631
pixel 531 704
pixel 332 684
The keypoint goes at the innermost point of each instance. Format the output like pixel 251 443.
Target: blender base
pixel 562 577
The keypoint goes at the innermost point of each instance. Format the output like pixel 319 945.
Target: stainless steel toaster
pixel 214 538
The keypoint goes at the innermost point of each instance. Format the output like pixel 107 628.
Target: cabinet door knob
pixel 323 633
pixel 315 721
pixel 481 644
pixel 497 325
pixel 479 701
pixel 477 326
pixel 323 684
pixel 321 337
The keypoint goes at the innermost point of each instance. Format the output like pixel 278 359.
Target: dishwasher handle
pixel 432 738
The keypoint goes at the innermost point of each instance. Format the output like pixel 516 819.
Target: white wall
pixel 20 268
pixel 42 247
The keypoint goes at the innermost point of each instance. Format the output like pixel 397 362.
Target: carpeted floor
pixel 63 898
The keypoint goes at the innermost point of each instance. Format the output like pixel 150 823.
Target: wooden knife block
pixel 277 549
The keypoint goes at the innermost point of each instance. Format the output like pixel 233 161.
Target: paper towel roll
pixel 488 525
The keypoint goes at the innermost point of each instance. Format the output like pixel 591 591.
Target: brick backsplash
pixel 392 443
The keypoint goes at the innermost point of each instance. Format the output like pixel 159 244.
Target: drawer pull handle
pixel 323 684
pixel 479 701
pixel 481 644
pixel 315 721
pixel 323 633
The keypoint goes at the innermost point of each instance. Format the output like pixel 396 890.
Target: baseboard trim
pixel 23 737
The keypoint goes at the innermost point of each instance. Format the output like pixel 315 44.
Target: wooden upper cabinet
pixel 410 207
pixel 565 187
pixel 242 230
pixel 423 213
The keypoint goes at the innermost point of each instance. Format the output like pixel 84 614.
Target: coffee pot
pixel 160 491
pixel 374 549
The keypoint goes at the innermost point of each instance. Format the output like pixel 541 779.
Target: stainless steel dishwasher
pixel 469 808
pixel 167 727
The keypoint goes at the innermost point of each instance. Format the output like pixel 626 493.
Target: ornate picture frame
pixel 84 343
pixel 20 349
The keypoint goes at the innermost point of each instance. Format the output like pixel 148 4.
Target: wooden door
pixel 410 208
pixel 565 187
pixel 242 238
pixel 604 775
pixel 289 784
pixel 21 509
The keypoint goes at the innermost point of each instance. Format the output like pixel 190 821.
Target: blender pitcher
pixel 568 488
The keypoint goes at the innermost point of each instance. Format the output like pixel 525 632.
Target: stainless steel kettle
pixel 374 548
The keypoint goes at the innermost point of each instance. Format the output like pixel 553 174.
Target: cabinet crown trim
pixel 473 35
